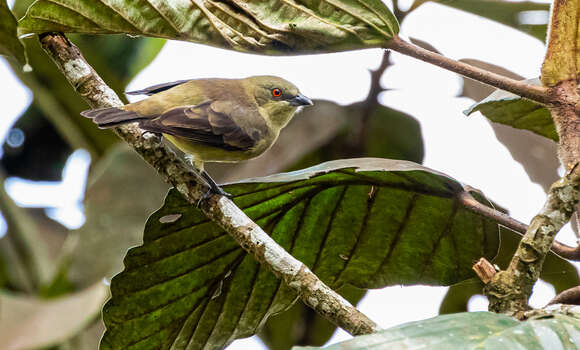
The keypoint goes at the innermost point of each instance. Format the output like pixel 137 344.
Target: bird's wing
pixel 206 124
pixel 152 90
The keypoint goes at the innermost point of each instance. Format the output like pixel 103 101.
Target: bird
pixel 211 120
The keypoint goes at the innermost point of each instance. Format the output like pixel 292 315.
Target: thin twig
pixel 472 204
pixel 509 290
pixel 370 104
pixel 221 210
pixel 532 92
pixel 467 200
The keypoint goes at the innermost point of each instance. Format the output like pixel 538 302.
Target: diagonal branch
pixel 538 94
pixel 221 210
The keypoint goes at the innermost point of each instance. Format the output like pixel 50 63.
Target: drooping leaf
pixel 9 43
pixel 506 12
pixel 537 154
pixel 367 222
pixel 271 27
pixel 31 323
pixel 301 325
pixel 473 330
pixel 510 109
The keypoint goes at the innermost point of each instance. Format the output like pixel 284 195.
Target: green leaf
pixel 301 325
pixel 505 12
pixel 474 330
pixel 9 43
pixel 395 135
pixel 366 222
pixel 537 154
pixel 270 27
pixel 31 323
pixel 506 108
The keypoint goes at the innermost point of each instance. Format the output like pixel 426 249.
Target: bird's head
pixel 277 97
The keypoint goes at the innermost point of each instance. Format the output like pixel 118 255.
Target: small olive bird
pixel 213 120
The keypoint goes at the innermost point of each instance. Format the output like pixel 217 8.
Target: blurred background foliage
pixel 44 268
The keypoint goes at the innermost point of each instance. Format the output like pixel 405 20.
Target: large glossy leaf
pixel 367 222
pixel 506 108
pixel 474 330
pixel 272 27
pixel 9 43
pixel 505 12
pixel 323 132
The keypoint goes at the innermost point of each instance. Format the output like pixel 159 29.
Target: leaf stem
pixel 535 93
pixel 220 209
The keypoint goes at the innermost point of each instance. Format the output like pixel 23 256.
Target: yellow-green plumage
pixel 215 120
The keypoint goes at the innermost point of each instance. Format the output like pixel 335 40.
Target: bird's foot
pixel 218 190
pixel 214 187
pixel 213 191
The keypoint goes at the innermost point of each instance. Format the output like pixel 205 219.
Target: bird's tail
pixel 110 117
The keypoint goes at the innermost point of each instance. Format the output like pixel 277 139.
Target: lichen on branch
pixel 509 290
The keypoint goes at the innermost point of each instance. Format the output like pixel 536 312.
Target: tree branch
pixel 509 290
pixel 221 210
pixel 535 93
pixel 467 200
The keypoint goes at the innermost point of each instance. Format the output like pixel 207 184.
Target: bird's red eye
pixel 276 92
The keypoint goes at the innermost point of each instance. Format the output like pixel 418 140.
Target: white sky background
pixel 464 148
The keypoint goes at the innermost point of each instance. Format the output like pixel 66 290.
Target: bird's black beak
pixel 300 100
